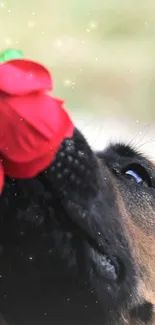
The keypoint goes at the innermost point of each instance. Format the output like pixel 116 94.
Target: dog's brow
pixel 125 150
pixel 128 153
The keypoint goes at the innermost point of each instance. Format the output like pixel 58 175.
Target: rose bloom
pixel 33 124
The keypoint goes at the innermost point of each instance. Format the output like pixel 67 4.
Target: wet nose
pixel 74 177
pixel 74 171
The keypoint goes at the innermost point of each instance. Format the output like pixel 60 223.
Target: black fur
pixel 55 230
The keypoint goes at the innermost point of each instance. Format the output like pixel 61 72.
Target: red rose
pixel 32 123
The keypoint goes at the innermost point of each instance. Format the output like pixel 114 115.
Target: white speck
pixel 73 85
pixel 137 121
pixel 99 233
pixel 58 43
pixel 84 215
pixel 1 276
pixel 93 25
pixel 88 30
pixel 43 33
pixel 80 153
pixel 8 41
pixel 68 83
pixel 83 42
pixel 9 10
pixel 33 13
pixel 31 258
pixel 31 23
pixel 86 306
pixel 2 4
pixel 5 295
pixel 96 302
pixel 68 299
pixel 45 314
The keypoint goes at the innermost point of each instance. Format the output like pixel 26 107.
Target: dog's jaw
pixel 80 184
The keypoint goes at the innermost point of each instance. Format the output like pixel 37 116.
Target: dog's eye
pixel 132 174
pixel 138 173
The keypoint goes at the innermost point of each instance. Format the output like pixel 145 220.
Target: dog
pixel 77 243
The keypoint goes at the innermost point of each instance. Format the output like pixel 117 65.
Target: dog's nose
pixel 75 167
pixel 74 176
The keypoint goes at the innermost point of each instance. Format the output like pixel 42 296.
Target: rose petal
pixel 32 126
pixel 20 77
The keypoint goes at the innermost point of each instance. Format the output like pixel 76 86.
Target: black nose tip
pixel 74 168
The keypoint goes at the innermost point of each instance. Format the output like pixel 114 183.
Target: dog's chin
pixel 102 271
pixel 103 266
pixel 108 279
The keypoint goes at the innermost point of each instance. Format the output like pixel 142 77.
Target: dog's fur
pixel 56 229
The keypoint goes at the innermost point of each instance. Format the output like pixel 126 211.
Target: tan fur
pixel 143 249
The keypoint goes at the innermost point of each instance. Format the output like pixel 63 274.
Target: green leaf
pixel 10 54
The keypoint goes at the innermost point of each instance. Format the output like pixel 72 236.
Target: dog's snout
pixel 74 169
pixel 70 166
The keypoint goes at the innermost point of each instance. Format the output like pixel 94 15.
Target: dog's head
pixel 99 208
pixel 109 199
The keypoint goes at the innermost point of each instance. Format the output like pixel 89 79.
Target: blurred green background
pixel 102 57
